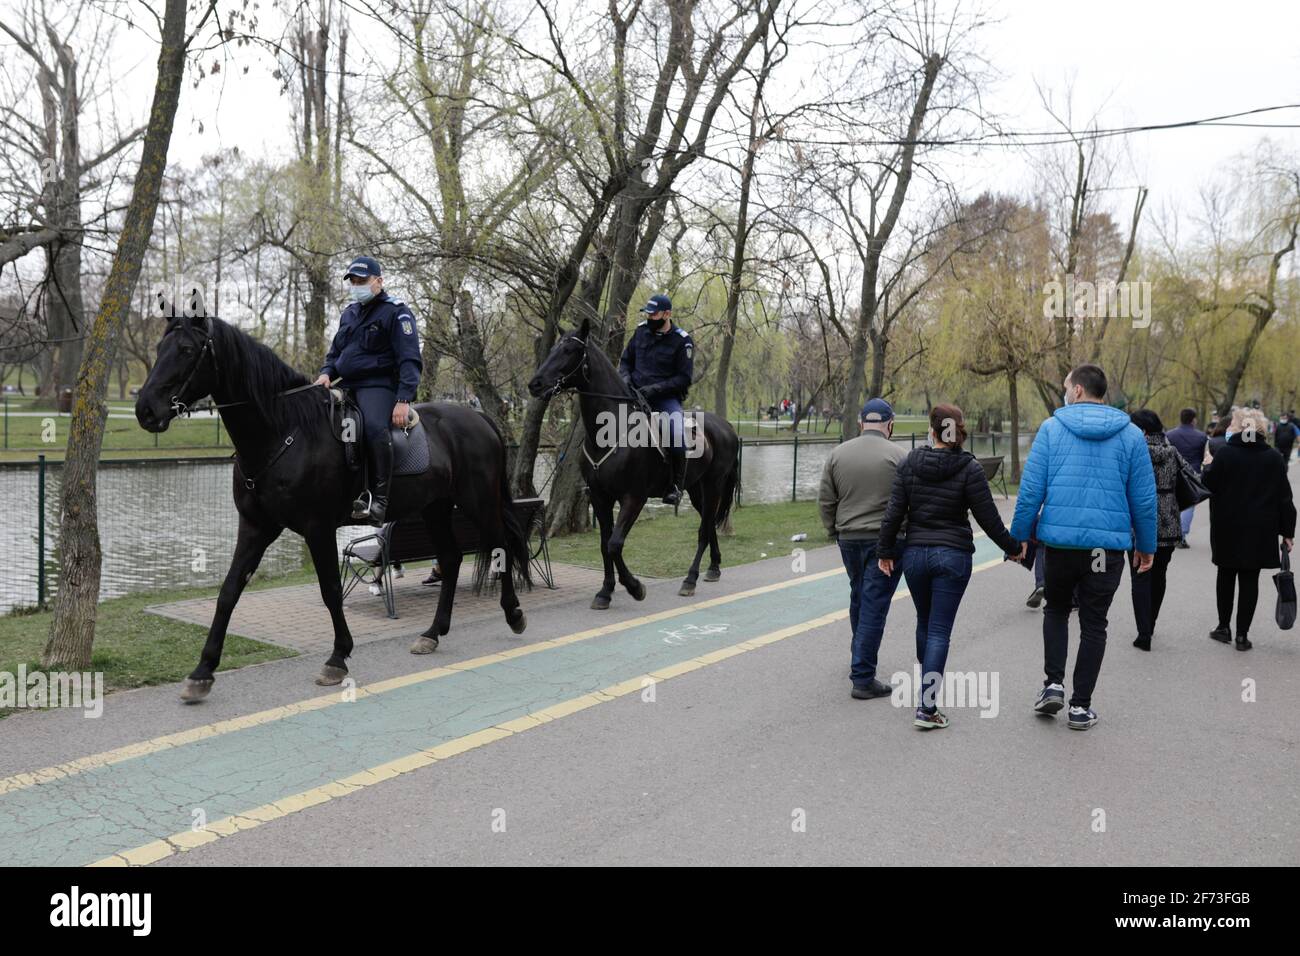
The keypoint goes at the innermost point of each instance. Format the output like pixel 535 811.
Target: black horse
pixel 630 475
pixel 291 472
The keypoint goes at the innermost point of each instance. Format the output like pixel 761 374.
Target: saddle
pixel 410 444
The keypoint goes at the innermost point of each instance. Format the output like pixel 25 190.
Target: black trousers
pixel 1149 590
pixel 1225 585
pixel 1091 577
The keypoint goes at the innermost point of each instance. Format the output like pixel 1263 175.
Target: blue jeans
pixel 936 579
pixel 1186 517
pixel 869 595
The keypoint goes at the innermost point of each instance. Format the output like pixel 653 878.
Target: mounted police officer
pixel 376 351
pixel 658 363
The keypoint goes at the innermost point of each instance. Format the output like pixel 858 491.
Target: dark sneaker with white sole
pixel 1081 718
pixel 868 691
pixel 936 721
pixel 1050 700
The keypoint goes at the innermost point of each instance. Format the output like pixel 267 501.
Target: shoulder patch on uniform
pixel 408 327
pixel 682 332
pixel 639 324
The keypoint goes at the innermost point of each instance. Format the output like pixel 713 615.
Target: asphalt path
pixel 714 729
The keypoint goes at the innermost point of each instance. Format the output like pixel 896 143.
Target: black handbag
pixel 1189 490
pixel 1285 583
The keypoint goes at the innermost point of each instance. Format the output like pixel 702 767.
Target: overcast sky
pixel 1130 62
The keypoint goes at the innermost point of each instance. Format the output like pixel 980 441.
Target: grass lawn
pixel 22 437
pixel 134 648
pixel 662 547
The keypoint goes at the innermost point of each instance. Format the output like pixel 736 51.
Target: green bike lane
pixel 92 814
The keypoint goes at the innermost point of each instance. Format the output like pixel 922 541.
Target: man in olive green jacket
pixel 855 488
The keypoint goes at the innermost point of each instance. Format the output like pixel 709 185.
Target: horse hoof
pixel 331 675
pixel 713 574
pixel 424 645
pixel 637 590
pixel 195 690
pixel 519 623
pixel 600 603
pixel 687 590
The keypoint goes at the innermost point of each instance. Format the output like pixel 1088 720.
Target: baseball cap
pixel 658 303
pixel 877 410
pixel 363 266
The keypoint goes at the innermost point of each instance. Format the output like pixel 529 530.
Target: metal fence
pixel 171 523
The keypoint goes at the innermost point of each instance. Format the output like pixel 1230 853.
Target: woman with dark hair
pixel 1149 588
pixel 934 490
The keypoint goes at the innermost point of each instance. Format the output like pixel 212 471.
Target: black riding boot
pixel 677 462
pixel 380 459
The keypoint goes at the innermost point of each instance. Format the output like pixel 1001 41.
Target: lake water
pixel 167 524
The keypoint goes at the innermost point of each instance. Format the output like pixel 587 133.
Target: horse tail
pixel 729 486
pixel 516 543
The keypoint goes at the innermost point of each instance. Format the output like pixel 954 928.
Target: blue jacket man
pixel 1090 475
pixel 376 353
pixel 658 362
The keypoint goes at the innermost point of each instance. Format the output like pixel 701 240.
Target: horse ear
pixel 584 329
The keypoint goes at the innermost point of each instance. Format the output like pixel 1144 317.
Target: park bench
pixel 993 469
pixel 374 558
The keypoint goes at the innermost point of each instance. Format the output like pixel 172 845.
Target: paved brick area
pixel 295 617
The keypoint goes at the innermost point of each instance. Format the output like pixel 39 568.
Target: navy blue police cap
pixel 363 266
pixel 658 303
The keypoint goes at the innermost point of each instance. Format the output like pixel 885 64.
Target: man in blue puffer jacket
pixel 1090 474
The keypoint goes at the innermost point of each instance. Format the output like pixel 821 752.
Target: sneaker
pixel 1035 598
pixel 1081 718
pixel 935 721
pixel 1182 544
pixel 1222 635
pixel 1143 642
pixel 1243 644
pixel 868 691
pixel 1050 699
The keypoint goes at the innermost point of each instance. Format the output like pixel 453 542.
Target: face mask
pixel 1065 398
pixel 658 323
pixel 360 293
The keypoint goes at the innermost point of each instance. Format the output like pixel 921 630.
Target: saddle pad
pixel 410 451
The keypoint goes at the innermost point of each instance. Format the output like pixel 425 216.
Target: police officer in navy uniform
pixel 658 362
pixel 376 352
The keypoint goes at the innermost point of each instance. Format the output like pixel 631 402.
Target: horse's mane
pixel 263 375
pixel 597 358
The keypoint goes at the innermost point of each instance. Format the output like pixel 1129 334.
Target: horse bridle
pixel 180 408
pixel 562 383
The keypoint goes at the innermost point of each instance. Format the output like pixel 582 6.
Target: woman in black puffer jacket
pixel 1148 588
pixel 934 490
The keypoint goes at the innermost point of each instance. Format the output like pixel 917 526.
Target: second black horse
pixel 629 474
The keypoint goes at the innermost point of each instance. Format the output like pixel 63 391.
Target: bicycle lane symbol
pixel 692 632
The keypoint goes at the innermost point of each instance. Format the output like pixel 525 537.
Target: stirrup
pixel 361 514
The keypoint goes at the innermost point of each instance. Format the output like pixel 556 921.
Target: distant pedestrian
pixel 1284 437
pixel 1148 590
pixel 1090 475
pixel 934 491
pixel 1190 442
pixel 1217 436
pixel 1250 508
pixel 855 488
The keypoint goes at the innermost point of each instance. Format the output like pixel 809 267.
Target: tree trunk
pixel 1013 399
pixel 72 632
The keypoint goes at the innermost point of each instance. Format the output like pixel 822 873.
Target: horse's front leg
pixel 251 544
pixel 437 521
pixel 325 555
pixel 629 508
pixel 604 508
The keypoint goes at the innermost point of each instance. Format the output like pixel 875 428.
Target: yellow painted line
pixel 187 840
pixel 33 778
